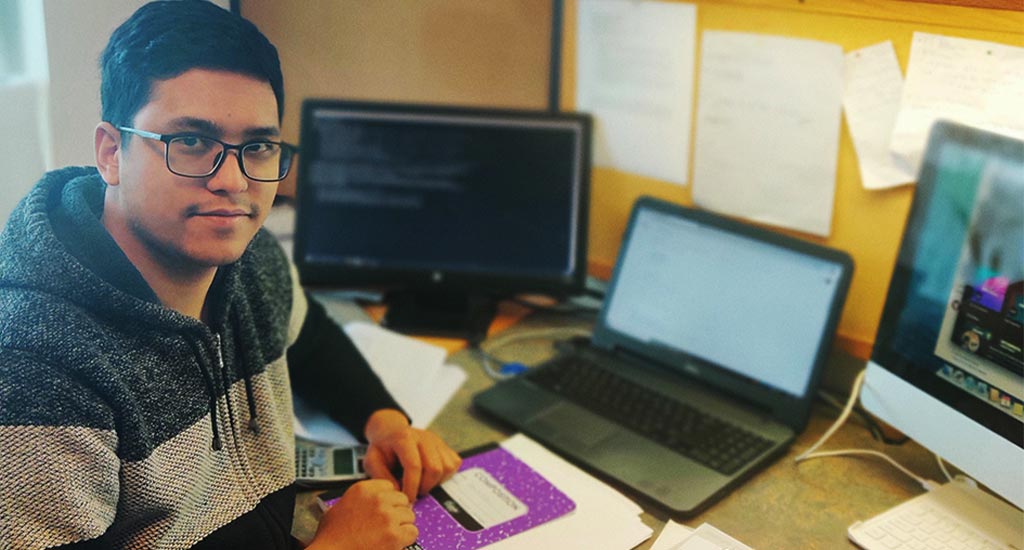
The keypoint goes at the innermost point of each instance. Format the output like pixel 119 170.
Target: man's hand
pixel 371 515
pixel 424 459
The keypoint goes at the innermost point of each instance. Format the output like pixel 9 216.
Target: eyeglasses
pixel 196 156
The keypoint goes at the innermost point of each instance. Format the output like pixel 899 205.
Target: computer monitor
pixel 947 366
pixel 446 209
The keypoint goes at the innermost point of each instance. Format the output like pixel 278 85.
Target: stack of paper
pixel 972 82
pixel 603 517
pixel 706 537
pixel 414 373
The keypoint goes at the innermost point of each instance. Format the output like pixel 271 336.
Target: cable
pixel 871 425
pixel 942 466
pixel 926 483
pixel 509 370
pixel 836 404
pixel 561 307
pixel 535 334
pixel 485 360
pixel 854 396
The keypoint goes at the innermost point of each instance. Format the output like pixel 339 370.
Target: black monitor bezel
pixel 497 283
pixel 793 411
pixel 883 353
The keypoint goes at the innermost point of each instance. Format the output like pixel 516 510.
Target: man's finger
pixel 408 533
pixel 433 466
pixel 396 498
pixel 452 463
pixel 376 466
pixel 405 516
pixel 412 468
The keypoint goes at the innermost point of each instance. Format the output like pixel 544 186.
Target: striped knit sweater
pixel 124 424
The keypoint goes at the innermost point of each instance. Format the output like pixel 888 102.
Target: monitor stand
pixel 440 313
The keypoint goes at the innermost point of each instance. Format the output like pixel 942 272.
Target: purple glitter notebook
pixel 493 496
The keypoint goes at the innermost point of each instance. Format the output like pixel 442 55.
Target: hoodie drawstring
pixel 224 378
pixel 251 357
pixel 211 392
pixel 254 424
pixel 250 399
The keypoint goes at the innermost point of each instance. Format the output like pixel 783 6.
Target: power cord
pixel 871 424
pixel 942 466
pixel 511 369
pixel 854 396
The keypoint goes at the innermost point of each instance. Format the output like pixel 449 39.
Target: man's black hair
pixel 164 39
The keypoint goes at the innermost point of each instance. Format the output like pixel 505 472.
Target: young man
pixel 151 333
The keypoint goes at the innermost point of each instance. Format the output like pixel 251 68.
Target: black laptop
pixel 703 363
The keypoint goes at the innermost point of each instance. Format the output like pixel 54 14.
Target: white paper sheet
pixel 708 537
pixel 973 82
pixel 671 536
pixel 603 518
pixel 635 64
pixel 412 371
pixel 872 88
pixel 768 120
pixel 405 365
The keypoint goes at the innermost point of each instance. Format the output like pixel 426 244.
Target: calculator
pixel 322 464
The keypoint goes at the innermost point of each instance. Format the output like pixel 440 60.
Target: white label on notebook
pixel 483 497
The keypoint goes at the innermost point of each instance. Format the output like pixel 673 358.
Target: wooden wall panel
pixel 463 52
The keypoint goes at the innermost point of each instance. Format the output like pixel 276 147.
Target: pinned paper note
pixel 768 119
pixel 872 88
pixel 635 75
pixel 972 82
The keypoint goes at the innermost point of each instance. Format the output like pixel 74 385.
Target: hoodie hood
pixel 54 243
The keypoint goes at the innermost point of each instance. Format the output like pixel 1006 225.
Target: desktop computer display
pixel 445 208
pixel 947 367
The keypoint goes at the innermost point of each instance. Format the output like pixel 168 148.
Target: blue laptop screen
pixel 754 308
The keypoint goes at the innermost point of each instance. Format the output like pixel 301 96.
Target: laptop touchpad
pixel 571 426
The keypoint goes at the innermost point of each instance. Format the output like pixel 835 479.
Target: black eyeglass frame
pixel 288 152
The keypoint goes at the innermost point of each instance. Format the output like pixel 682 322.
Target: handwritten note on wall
pixel 635 75
pixel 768 120
pixel 872 87
pixel 974 82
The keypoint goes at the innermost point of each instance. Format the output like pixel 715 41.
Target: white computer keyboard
pixel 956 516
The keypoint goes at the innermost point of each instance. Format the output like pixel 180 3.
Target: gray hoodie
pixel 128 424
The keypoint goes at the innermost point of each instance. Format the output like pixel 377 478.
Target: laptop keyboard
pixel 684 429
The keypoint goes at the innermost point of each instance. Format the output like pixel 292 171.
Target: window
pixel 22 41
pixel 12 60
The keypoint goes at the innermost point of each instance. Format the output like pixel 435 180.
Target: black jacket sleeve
pixel 328 371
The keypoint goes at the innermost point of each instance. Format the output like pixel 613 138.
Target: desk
pixel 786 506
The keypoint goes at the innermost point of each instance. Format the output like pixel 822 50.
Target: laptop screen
pixel 748 305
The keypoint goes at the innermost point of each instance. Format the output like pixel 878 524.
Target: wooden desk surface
pixel 786 506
